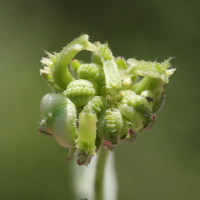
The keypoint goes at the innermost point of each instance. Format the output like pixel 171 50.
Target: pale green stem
pixel 99 173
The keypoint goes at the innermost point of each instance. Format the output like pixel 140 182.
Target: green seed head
pixel 102 103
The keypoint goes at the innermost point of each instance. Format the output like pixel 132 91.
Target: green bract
pixel 102 103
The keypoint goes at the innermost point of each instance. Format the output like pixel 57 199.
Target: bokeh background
pixel 162 164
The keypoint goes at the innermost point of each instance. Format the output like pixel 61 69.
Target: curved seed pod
pixel 97 103
pixel 80 92
pixel 85 142
pixel 93 73
pixel 112 76
pixel 59 68
pixel 59 119
pixel 110 126
pixel 137 110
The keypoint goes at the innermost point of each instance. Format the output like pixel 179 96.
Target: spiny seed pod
pixel 80 92
pixel 59 119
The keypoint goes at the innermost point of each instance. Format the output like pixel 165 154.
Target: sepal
pixel 149 69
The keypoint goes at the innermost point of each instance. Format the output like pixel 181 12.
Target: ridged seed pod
pixel 110 126
pixel 93 73
pixel 97 104
pixel 80 92
pixel 136 108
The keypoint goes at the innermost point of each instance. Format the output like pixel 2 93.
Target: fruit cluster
pixel 102 103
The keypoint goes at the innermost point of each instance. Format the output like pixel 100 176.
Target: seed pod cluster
pixel 102 103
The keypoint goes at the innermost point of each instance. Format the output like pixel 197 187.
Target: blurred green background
pixel 162 164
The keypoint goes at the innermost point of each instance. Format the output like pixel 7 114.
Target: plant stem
pixel 99 176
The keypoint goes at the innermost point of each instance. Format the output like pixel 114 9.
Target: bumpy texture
pixel 102 103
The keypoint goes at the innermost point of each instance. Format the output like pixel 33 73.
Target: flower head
pixel 102 103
